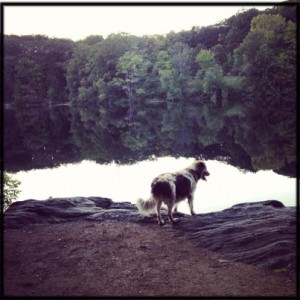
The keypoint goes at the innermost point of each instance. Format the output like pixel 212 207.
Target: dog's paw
pixel 175 221
pixel 161 223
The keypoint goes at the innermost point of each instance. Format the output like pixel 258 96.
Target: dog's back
pixel 183 186
pixel 161 188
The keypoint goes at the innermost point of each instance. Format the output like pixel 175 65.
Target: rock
pixel 260 233
pixel 274 203
pixel 101 202
pixel 59 210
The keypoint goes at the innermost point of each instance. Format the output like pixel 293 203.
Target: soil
pixel 115 258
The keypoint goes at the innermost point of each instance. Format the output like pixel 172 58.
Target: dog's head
pixel 200 169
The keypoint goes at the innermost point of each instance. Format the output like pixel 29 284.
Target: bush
pixel 10 190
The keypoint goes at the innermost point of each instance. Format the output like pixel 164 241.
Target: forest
pixel 226 91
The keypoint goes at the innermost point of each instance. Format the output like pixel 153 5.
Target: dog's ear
pixel 200 165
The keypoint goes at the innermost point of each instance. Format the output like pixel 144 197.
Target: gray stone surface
pixel 260 233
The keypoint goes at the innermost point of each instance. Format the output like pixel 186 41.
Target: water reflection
pixel 37 137
pixel 46 137
pixel 225 187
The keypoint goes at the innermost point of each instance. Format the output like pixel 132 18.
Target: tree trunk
pixel 130 100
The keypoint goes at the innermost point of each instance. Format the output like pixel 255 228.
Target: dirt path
pixel 124 259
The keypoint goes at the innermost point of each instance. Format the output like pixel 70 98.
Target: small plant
pixel 280 270
pixel 10 190
pixel 283 270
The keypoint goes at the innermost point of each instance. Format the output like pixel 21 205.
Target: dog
pixel 171 188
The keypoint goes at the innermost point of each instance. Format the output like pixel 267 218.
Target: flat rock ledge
pixel 260 233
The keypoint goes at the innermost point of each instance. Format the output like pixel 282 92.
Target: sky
pixel 78 22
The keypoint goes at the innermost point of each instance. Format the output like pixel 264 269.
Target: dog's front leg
pixel 159 218
pixel 191 205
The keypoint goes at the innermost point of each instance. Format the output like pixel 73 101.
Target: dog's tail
pixel 146 207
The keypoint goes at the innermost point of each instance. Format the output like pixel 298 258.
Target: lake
pixel 226 186
pixel 65 151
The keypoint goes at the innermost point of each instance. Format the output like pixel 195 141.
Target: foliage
pixel 35 68
pixel 267 59
pixel 10 189
pixel 224 90
pixel 131 71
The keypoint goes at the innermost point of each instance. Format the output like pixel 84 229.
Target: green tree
pixel 181 55
pixel 132 70
pixel 230 90
pixel 10 189
pixel 35 69
pixel 267 60
pixel 239 27
pixel 167 76
pixel 210 76
pixel 174 72
pixel 79 68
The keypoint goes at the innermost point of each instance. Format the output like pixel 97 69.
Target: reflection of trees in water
pixel 37 138
pixel 43 137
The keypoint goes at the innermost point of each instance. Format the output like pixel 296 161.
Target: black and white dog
pixel 171 188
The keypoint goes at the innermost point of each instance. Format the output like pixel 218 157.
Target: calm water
pixel 225 186
pixel 65 151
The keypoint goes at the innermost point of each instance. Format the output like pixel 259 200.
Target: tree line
pixel 234 84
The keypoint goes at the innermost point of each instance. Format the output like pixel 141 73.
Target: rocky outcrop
pixel 260 233
pixel 60 210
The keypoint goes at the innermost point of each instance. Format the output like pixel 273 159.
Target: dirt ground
pixel 124 259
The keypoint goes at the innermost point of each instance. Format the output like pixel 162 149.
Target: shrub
pixel 10 190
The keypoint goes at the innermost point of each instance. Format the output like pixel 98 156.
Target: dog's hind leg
pixel 159 218
pixel 170 215
pixel 175 207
